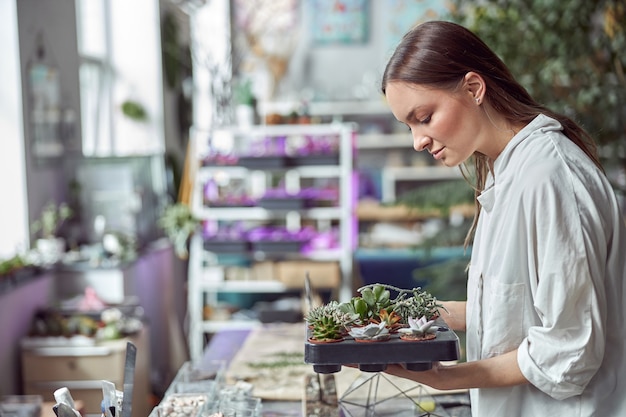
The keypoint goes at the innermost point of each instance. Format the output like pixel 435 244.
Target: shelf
pixel 424 173
pixel 286 130
pixel 259 213
pixel 243 286
pixel 305 171
pixel 317 255
pixel 392 175
pixel 212 326
pixel 373 211
pixel 384 140
pixel 207 263
pixel 369 211
pixel 330 108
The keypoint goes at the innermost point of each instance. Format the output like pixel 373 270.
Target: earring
pixel 477 100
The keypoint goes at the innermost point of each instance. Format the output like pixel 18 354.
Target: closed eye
pixel 426 120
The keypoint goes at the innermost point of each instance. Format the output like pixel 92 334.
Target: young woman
pixel 546 308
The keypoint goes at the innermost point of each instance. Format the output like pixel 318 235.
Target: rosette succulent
pixel 419 327
pixel 372 331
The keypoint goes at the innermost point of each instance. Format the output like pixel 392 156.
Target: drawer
pixel 72 364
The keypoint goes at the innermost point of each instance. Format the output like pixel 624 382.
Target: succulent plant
pixel 416 303
pixel 368 306
pixel 419 327
pixel 327 328
pixel 372 331
pixel 328 321
pixel 390 319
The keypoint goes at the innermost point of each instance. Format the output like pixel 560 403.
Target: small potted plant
pixel 372 332
pixel 416 303
pixel 419 329
pixel 328 323
pixel 373 300
pixel 178 223
pixel 49 245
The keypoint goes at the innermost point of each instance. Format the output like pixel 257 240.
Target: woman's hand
pixel 430 377
pixel 498 371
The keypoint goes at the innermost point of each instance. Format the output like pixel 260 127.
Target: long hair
pixel 439 54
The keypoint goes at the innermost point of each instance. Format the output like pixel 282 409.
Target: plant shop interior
pixel 191 179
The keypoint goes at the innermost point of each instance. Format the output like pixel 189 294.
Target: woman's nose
pixel 421 143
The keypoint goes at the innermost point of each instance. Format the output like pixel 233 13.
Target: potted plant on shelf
pixel 178 223
pixel 49 245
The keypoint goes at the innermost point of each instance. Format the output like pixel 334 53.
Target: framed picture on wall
pixel 339 21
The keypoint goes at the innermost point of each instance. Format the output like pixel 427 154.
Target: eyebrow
pixel 411 113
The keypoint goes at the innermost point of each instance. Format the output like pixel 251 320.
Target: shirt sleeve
pixel 565 234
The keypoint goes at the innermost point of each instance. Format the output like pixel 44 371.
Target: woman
pixel 545 313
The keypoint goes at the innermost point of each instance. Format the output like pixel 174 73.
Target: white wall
pixel 13 218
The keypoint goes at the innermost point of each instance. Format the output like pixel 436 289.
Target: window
pixel 13 211
pixel 120 51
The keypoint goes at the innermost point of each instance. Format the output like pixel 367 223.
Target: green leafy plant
pixel 368 306
pixel 440 196
pixel 416 303
pixel 572 58
pixel 375 304
pixel 51 219
pixel 12 264
pixel 242 93
pixel 134 110
pixel 178 223
pixel 328 321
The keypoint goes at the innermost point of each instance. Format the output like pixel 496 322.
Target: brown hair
pixel 439 54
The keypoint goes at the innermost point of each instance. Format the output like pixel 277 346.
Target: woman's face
pixel 445 124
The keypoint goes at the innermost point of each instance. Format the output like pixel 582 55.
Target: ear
pixel 475 86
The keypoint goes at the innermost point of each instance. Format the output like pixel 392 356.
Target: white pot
pixel 50 249
pixel 244 115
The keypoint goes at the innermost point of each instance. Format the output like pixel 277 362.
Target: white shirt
pixel 547 278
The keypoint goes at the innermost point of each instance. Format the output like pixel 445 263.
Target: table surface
pixel 225 344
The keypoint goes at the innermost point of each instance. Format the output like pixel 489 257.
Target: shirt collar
pixel 541 123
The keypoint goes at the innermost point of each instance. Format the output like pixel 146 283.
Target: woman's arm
pixel 498 371
pixel 454 314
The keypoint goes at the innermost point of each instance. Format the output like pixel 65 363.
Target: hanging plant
pixel 134 110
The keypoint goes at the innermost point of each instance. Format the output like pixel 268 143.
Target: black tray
pixel 277 247
pixel 226 246
pixel 314 159
pixel 262 162
pixel 328 358
pixel 287 203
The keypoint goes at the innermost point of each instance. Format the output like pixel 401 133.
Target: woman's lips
pixel 438 153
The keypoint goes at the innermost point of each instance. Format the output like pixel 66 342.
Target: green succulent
pixel 357 308
pixel 373 299
pixel 327 328
pixel 328 321
pixel 416 303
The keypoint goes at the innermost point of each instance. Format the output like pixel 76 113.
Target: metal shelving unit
pixel 205 271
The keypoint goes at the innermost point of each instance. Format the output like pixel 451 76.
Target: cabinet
pixel 46 368
pixel 281 198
